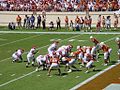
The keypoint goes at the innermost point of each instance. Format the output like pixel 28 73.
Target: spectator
pixel 25 21
pixel 81 22
pixel 115 21
pixel 38 21
pixel 77 27
pixel 89 23
pixel 44 22
pixel 28 23
pixel 32 21
pixel 51 26
pixel 108 23
pixel 103 22
pixel 66 22
pixel 11 26
pixel 18 20
pixel 71 25
pixel 86 23
pixel 98 25
pixel 60 5
pixel 58 21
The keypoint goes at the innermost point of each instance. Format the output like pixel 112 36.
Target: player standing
pixel 118 43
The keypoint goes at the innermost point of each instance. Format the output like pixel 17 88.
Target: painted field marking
pixel 24 75
pixel 59 32
pixel 96 75
pixel 17 78
pixel 71 40
pixel 40 48
pixel 91 78
pixel 13 80
pixel 52 39
pixel 55 39
pixel 5 59
pixel 38 75
pixel 19 40
pixel 12 75
pixel 77 77
pixel 82 40
pixel 2 39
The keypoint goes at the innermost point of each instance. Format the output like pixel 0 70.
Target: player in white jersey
pixel 20 52
pixel 69 62
pixel 43 61
pixel 68 49
pixel 61 51
pixel 30 56
pixel 53 47
pixel 17 55
pixel 88 59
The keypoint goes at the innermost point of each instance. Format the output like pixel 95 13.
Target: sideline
pixel 77 32
pixel 93 77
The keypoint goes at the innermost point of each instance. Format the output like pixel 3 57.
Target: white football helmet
pixel 91 37
pixel 102 43
pixel 117 39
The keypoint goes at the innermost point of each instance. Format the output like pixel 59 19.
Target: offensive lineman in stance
pixel 53 47
pixel 30 56
pixel 55 63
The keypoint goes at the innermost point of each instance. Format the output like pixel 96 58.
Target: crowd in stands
pixel 59 5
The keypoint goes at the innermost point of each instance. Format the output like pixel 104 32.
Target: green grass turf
pixel 4 28
pixel 10 42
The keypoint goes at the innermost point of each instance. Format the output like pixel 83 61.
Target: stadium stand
pixel 59 5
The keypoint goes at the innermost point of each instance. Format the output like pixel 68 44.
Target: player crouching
pixel 43 62
pixel 55 63
pixel 17 55
pixel 89 62
pixel 69 62
pixel 30 56
pixel 107 51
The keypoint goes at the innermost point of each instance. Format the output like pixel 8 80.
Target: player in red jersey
pixel 54 64
pixel 107 50
pixel 96 46
pixel 118 43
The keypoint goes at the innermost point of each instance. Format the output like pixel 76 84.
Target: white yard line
pixel 17 79
pixel 96 75
pixel 93 77
pixel 19 40
pixel 13 80
pixel 5 59
pixel 59 32
pixel 40 47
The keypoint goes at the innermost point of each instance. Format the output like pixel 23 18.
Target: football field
pixel 15 76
